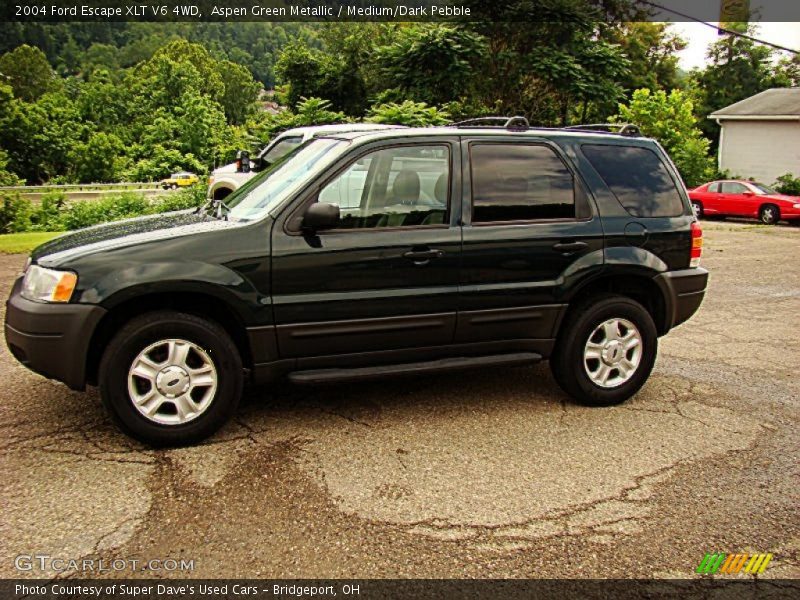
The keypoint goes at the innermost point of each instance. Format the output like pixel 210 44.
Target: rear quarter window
pixel 638 178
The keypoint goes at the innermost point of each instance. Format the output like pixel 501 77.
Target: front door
pixel 528 222
pixel 387 277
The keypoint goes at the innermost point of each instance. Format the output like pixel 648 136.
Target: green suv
pixel 373 254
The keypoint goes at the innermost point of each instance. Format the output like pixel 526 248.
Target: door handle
pixel 421 257
pixel 570 246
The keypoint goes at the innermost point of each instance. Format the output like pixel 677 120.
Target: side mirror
pixel 242 161
pixel 320 216
pixel 748 193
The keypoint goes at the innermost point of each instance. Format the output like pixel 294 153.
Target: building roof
pixel 774 104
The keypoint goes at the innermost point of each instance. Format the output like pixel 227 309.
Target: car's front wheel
pixel 769 214
pixel 605 351
pixel 171 378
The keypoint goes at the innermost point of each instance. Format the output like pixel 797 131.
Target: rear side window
pixel 519 182
pixel 638 178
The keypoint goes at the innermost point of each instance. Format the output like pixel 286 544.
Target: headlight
pixel 48 285
pixel 796 205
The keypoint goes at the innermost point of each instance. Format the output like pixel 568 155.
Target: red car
pixel 744 199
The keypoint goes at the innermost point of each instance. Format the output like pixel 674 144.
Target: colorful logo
pixel 733 563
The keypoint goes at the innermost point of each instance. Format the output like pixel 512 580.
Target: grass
pixel 16 243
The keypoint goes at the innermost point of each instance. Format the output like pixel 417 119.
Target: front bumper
pixel 683 293
pixel 51 339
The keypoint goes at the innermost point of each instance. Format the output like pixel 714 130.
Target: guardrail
pixel 85 191
pixel 81 187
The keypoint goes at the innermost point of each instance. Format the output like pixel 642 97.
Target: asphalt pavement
pixel 486 473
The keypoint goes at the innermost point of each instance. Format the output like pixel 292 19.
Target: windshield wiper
pixel 214 208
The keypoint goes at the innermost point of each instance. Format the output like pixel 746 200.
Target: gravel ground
pixel 491 473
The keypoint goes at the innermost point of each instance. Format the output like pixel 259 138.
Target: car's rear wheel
pixel 769 214
pixel 605 351
pixel 697 206
pixel 171 378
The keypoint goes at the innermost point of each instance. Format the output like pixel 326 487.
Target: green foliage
pixel 788 184
pixel 309 111
pixel 14 213
pixel 27 71
pixel 669 119
pixel 651 50
pixel 435 63
pixel 335 76
pixel 53 213
pixel 413 114
pixel 738 68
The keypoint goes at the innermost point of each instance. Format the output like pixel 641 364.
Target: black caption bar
pixel 391 10
pixel 422 589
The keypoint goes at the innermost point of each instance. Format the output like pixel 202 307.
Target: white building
pixel 760 135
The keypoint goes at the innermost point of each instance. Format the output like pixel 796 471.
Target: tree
pixel 739 68
pixel 410 113
pixel 670 119
pixel 545 59
pixel 101 159
pixel 433 63
pixel 651 50
pixel 27 71
pixel 241 91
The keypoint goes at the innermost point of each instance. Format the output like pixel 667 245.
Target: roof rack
pixel 516 123
pixel 626 129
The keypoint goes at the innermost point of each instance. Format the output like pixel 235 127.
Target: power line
pixel 719 28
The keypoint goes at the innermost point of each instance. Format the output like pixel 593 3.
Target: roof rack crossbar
pixel 516 123
pixel 627 129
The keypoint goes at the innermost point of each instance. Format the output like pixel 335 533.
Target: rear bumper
pixel 683 293
pixel 51 339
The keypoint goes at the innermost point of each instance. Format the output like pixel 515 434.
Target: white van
pixel 228 178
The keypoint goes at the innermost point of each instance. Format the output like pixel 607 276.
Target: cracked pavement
pixel 490 473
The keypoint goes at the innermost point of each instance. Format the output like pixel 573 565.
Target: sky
pixel 700 37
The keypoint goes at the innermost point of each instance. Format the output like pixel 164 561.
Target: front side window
pixel 638 178
pixel 714 188
pixel 763 190
pixel 404 186
pixel 519 182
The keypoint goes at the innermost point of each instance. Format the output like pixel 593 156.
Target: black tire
pixel 697 206
pixel 769 214
pixel 567 361
pixel 148 329
pixel 174 186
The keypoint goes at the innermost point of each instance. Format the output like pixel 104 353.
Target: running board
pixel 444 364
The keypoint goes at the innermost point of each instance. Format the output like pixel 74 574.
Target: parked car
pixel 740 198
pixel 182 179
pixel 228 178
pixel 371 254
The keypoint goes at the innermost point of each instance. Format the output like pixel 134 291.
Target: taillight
pixel 697 245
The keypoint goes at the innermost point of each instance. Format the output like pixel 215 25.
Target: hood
pixel 782 198
pixel 118 234
pixel 225 169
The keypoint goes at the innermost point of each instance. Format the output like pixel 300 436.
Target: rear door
pixel 527 222
pixel 387 278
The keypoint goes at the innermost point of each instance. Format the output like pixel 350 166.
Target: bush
pixel 54 214
pixel 15 212
pixel 410 113
pixel 787 184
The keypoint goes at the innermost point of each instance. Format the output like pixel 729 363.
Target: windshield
pixel 280 148
pixel 762 190
pixel 254 199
